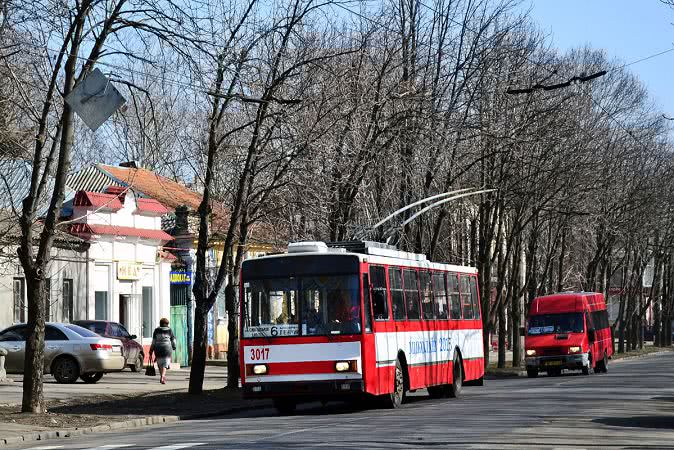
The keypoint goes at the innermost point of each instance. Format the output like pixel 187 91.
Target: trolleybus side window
pixel 454 296
pixel 412 294
pixel 465 297
pixel 474 297
pixel 397 295
pixel 366 304
pixel 427 307
pixel 440 295
pixel 379 297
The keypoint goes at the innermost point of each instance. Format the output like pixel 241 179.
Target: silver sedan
pixel 70 352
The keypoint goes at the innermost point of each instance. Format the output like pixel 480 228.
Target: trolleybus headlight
pixel 342 366
pixel 531 352
pixel 260 369
pixel 574 349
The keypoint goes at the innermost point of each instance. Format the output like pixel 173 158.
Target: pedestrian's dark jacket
pixel 163 342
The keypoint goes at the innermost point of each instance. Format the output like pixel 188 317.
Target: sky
pixel 626 29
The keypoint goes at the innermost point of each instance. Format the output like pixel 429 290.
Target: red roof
pixel 150 205
pixel 166 191
pixel 113 230
pixel 97 200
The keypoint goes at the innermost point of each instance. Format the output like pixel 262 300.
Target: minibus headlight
pixel 260 369
pixel 574 349
pixel 342 366
pixel 531 352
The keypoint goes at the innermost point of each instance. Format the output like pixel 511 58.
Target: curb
pixel 71 432
pixel 645 355
pixel 119 426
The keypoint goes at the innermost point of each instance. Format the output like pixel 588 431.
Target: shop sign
pixel 129 270
pixel 177 277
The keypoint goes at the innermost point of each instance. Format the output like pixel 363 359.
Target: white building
pixel 127 270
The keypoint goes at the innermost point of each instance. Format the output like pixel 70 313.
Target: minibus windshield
pixel 556 323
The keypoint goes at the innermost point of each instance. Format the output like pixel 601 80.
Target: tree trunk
pixel 33 395
pixel 232 306
pixel 501 334
pixel 199 346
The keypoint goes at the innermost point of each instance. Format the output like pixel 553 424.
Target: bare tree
pixel 67 46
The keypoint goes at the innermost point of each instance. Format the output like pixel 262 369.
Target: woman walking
pixel 163 345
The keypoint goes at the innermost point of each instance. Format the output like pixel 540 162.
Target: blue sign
pixel 178 277
pixel 210 329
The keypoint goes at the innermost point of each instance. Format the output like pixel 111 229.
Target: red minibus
pixel 343 320
pixel 568 331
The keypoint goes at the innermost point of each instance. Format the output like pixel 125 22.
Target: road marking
pixel 178 446
pixel 46 447
pixel 109 446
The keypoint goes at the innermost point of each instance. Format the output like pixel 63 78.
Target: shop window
pixel 19 295
pixel 68 307
pixel 147 311
pixel 101 307
pixel 47 299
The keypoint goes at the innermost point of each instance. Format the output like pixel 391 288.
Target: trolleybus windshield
pixel 302 306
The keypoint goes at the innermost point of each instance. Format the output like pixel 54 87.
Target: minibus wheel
pixel 602 366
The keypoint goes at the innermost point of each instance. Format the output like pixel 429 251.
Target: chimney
pixel 119 191
pixel 130 164
pixel 181 220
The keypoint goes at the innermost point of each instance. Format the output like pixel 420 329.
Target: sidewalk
pixel 126 401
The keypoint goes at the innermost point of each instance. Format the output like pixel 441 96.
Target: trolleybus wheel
pixel 285 406
pixel 395 398
pixel 457 381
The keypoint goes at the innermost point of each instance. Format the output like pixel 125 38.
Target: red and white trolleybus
pixel 351 318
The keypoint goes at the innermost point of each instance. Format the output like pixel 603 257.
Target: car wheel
pixel 532 373
pixel 91 378
pixel 457 381
pixel 65 370
pixel 137 366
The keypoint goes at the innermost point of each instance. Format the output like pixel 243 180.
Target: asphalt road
pixel 630 407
